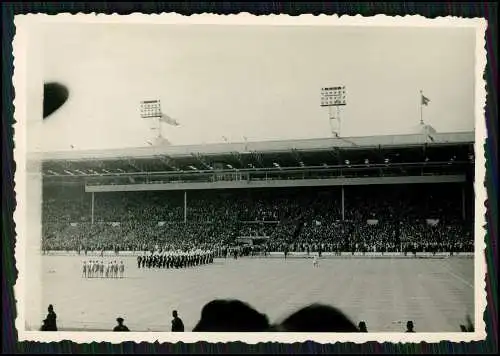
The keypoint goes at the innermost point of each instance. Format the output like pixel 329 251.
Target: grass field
pixel 434 293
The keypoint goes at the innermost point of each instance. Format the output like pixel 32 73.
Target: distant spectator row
pixel 397 202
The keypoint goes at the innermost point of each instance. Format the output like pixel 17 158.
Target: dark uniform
pixel 50 323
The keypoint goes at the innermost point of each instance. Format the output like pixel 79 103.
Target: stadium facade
pixel 342 165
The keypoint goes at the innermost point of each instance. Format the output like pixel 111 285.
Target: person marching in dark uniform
pixel 139 258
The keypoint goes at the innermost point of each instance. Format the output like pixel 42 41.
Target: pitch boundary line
pixel 461 279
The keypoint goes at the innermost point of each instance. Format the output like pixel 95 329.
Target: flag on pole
pixel 425 100
pixel 168 120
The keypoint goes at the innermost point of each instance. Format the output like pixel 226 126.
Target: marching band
pixel 175 259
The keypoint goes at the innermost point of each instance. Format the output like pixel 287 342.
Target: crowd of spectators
pixel 374 219
pixel 233 315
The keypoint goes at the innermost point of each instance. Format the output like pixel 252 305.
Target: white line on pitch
pixel 459 278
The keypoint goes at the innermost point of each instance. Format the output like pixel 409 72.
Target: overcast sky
pixel 259 82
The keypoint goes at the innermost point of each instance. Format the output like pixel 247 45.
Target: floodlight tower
pixel 151 109
pixel 334 97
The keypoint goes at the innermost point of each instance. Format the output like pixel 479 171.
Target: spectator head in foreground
pixel 231 316
pixel 409 327
pixel 469 326
pixel 177 324
pixel 50 323
pixel 362 327
pixel 317 318
pixel 120 326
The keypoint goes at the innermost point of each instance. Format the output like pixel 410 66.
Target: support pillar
pixel 463 203
pixel 185 206
pixel 92 212
pixel 343 207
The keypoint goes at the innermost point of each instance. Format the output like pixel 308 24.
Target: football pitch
pixel 385 292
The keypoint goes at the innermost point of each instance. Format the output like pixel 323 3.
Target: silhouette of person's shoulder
pixel 121 328
pixel 231 315
pixel 177 324
pixel 318 318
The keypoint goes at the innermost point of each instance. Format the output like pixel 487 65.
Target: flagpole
pixel 421 108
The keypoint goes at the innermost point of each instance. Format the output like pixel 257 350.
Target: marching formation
pixel 175 259
pixel 98 269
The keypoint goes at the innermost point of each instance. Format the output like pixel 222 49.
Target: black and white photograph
pixel 212 176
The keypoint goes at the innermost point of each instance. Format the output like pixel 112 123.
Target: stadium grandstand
pixel 399 194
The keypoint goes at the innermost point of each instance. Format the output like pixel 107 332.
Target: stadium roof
pixel 303 145
pixel 431 153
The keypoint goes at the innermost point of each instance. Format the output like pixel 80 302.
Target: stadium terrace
pixel 334 194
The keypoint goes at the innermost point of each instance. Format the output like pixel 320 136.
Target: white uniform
pixel 315 261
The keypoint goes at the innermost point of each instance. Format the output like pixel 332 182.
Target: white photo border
pixel 28 177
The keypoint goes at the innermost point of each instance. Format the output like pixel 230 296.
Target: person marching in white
pixel 122 269
pixel 315 261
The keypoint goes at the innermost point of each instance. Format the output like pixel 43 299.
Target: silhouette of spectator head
pixel 174 313
pixel 50 308
pixel 362 327
pixel 317 318
pixel 120 326
pixel 409 327
pixel 469 327
pixel 230 315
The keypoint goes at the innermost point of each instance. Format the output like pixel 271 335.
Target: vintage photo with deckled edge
pixel 31 157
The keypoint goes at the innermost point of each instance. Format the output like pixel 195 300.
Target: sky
pixel 253 82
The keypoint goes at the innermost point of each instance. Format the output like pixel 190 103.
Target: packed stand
pixel 376 219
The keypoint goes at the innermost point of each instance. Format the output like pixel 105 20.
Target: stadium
pixel 391 218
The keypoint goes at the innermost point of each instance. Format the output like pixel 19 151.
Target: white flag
pixel 168 120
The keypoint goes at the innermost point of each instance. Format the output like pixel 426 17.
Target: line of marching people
pixel 175 259
pixel 98 269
